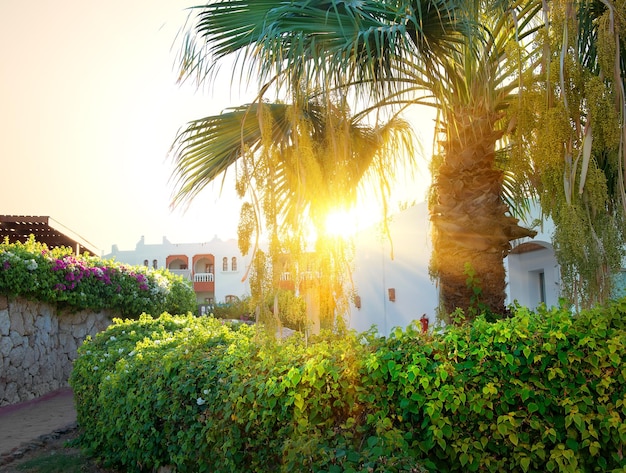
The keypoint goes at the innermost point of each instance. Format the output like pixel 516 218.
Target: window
pixel 230 299
pixel 233 264
pixel 225 264
pixel 155 264
pixel 208 268
pixel 542 287
pixel 145 262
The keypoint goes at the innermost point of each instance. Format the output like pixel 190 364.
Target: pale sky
pixel 89 109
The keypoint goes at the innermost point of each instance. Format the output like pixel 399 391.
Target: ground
pixel 54 455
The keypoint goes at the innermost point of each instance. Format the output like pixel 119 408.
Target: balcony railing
pixel 203 277
pixel 185 273
pixel 310 275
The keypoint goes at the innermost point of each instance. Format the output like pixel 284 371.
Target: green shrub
pixel 57 276
pixel 540 391
pixel 291 309
pixel 238 309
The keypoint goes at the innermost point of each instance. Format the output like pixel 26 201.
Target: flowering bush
pixel 540 391
pixel 34 271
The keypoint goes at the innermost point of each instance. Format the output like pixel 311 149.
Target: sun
pixel 346 223
pixel 340 223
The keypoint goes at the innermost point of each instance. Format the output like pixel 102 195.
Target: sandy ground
pixel 25 422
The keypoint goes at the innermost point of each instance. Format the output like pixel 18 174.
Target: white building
pixel 391 291
pixel 394 291
pixel 217 268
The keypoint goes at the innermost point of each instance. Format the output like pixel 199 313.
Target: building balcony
pixel 286 285
pixel 310 275
pixel 203 282
pixel 203 277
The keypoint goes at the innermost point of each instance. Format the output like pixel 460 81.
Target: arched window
pixel 225 264
pixel 145 262
pixel 155 264
pixel 233 264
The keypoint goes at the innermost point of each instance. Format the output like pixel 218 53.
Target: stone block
pixel 17 339
pixel 17 355
pixel 10 393
pixel 5 322
pixel 28 359
pixel 80 331
pixel 6 345
pixel 44 323
pixel 17 324
pixel 43 339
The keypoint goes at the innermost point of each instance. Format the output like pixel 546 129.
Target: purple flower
pixel 58 265
pixel 6 265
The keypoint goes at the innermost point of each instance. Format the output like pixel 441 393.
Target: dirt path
pixel 26 422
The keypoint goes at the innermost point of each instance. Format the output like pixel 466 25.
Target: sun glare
pixel 345 223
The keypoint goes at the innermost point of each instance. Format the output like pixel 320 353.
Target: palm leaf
pixel 322 42
pixel 209 146
pixel 343 151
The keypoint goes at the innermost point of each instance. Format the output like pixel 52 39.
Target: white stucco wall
pixel 375 272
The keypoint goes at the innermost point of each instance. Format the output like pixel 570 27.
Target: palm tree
pixel 462 58
pixel 472 223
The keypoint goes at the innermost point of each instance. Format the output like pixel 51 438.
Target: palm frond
pixel 324 42
pixel 320 155
pixel 209 146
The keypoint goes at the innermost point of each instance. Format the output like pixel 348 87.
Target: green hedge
pixel 538 392
pixel 56 276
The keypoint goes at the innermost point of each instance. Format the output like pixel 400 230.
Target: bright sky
pixel 89 110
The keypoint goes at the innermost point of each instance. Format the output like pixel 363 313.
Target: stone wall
pixel 38 344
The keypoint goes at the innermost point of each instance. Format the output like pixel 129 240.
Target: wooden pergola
pixel 18 228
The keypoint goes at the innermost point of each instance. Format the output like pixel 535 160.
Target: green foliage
pixel 571 128
pixel 238 309
pixel 54 463
pixel 477 306
pixel 57 276
pixel 291 309
pixel 541 391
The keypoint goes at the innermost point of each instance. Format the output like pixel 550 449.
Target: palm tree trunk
pixel 471 228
